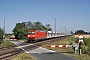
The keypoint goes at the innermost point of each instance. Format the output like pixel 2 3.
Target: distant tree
pixel 89 32
pixel 20 30
pixel 79 32
pixel 71 32
pixel 39 26
pixel 29 25
pixel 1 35
pixel 48 27
pixel 86 33
pixel 44 28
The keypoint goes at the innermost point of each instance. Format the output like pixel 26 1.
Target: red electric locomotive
pixel 35 35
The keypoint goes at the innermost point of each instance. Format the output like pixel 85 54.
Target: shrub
pixel 76 40
pixel 1 41
pixel 84 49
pixel 1 35
pixel 71 43
pixel 89 51
pixel 6 44
pixel 87 41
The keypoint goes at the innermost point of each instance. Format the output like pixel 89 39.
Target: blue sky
pixel 74 14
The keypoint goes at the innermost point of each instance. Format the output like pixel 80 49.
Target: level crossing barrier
pixel 75 46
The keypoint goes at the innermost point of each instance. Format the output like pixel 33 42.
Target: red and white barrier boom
pixel 75 46
pixel 65 46
pixel 58 46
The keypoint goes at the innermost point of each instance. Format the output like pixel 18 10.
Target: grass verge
pixel 70 52
pixel 6 44
pixel 23 56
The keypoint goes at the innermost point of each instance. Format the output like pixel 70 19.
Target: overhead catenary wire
pixel 15 12
pixel 18 13
pixel 8 17
pixel 12 4
pixel 36 18
pixel 31 18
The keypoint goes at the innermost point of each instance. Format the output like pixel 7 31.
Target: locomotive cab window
pixel 31 32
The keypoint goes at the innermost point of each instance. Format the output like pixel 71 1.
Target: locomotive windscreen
pixel 31 32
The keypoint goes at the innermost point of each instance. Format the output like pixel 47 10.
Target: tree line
pixel 81 32
pixel 21 29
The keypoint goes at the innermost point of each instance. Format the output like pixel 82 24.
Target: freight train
pixel 37 35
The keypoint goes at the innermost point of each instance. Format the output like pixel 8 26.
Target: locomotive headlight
pixel 28 35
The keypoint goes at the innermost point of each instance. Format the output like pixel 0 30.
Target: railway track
pixel 9 52
pixel 4 48
pixel 50 41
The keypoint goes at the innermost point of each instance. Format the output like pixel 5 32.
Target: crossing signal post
pixel 80 42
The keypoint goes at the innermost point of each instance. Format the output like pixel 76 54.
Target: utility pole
pixel 80 48
pixel 4 31
pixel 65 30
pixel 55 25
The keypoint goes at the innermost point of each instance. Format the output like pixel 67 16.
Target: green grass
pixel 6 44
pixel 80 57
pixel 87 41
pixel 23 56
pixel 68 41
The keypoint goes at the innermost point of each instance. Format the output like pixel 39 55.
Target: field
pixel 86 36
